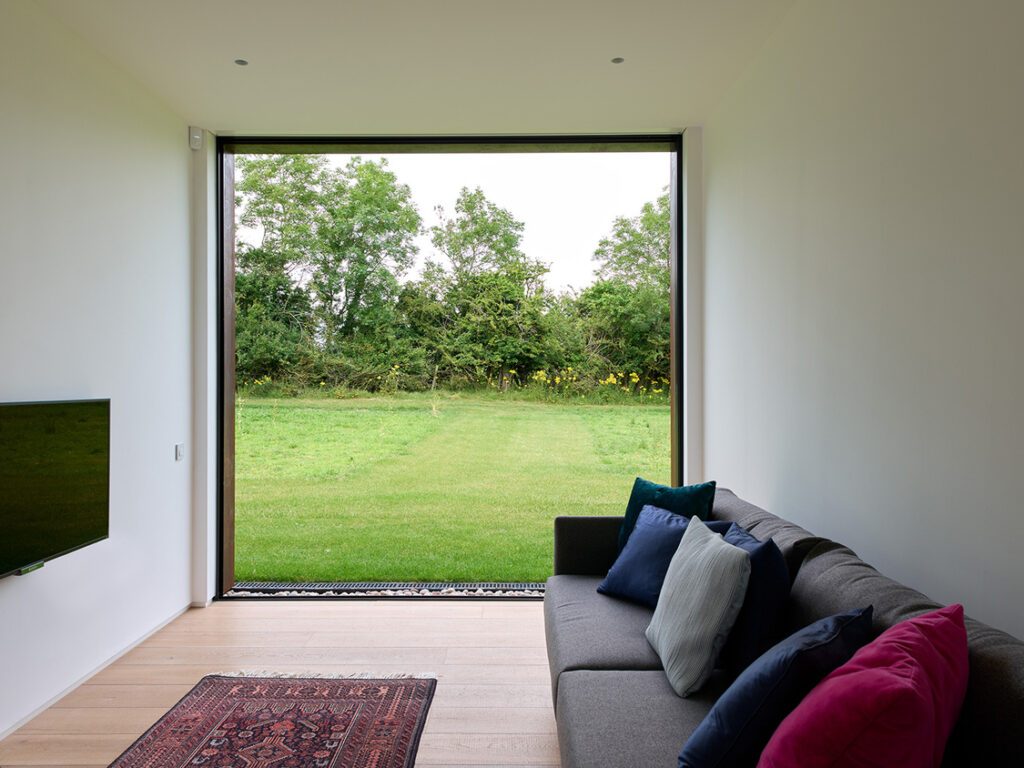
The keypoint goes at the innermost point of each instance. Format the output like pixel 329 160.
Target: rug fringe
pixel 329 675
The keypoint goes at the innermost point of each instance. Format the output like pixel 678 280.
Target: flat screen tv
pixel 54 480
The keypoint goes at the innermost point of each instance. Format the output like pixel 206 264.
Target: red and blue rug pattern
pixel 288 722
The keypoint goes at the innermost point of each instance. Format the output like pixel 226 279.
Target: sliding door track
pixel 388 589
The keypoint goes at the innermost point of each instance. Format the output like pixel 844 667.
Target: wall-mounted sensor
pixel 195 137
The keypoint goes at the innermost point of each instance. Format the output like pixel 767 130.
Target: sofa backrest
pixel 831 578
pixel 793 541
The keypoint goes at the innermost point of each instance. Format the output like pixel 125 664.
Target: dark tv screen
pixel 54 479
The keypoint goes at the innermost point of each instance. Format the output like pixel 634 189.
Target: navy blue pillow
pixel 687 501
pixel 744 718
pixel 759 625
pixel 639 571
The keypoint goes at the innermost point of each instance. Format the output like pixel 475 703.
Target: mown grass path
pixel 428 487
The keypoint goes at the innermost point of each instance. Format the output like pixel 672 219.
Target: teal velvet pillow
pixel 688 501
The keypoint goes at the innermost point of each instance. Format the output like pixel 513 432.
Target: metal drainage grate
pixel 391 588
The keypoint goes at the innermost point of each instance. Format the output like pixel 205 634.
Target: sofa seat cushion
pixel 588 630
pixel 610 719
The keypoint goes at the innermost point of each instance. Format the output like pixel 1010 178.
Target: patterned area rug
pixel 263 722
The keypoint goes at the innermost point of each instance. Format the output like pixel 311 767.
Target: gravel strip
pixel 473 593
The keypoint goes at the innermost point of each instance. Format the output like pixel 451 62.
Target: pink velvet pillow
pixel 893 704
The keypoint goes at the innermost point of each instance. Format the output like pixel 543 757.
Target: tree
pixel 627 328
pixel 320 292
pixel 482 313
pixel 481 236
pixel 366 233
pixel 273 314
pixel 263 345
pixel 279 197
pixel 322 279
pixel 637 251
pixel 625 314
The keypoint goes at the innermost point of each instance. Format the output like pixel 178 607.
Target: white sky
pixel 566 201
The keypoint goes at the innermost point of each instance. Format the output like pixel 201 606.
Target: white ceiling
pixel 374 67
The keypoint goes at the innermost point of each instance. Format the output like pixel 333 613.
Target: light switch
pixel 179 451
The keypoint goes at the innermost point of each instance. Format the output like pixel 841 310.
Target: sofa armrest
pixel 586 545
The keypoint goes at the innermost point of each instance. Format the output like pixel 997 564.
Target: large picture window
pixel 432 347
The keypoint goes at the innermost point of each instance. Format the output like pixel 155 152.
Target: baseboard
pixel 43 707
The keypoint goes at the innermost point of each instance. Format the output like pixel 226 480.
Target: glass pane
pixel 436 354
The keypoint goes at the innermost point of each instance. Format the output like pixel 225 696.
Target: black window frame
pixel 228 146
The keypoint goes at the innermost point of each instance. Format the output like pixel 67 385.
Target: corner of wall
pixel 204 370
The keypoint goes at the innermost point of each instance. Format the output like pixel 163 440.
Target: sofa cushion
pixel 688 501
pixel 588 630
pixel 893 703
pixel 700 600
pixel 833 578
pixel 609 719
pixel 729 506
pixel 988 729
pixel 793 541
pixel 761 619
pixel 746 715
pixel 640 568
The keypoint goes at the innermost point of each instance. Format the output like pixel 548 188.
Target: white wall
pixel 865 265
pixel 94 302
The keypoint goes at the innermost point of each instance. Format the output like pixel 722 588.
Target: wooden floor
pixel 492 706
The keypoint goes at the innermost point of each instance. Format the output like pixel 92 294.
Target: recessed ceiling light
pixel 618 60
pixel 242 62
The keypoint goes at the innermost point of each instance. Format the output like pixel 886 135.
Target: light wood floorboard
pixel 492 708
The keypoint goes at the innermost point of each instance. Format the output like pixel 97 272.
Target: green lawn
pixel 428 487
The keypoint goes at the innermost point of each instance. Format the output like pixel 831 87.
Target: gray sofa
pixel 613 704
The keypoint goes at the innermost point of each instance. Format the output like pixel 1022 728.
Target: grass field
pixel 428 486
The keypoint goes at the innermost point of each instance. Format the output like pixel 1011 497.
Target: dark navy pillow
pixel 744 718
pixel 759 625
pixel 640 568
pixel 687 501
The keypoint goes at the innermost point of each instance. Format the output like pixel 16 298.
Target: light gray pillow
pixel 700 599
